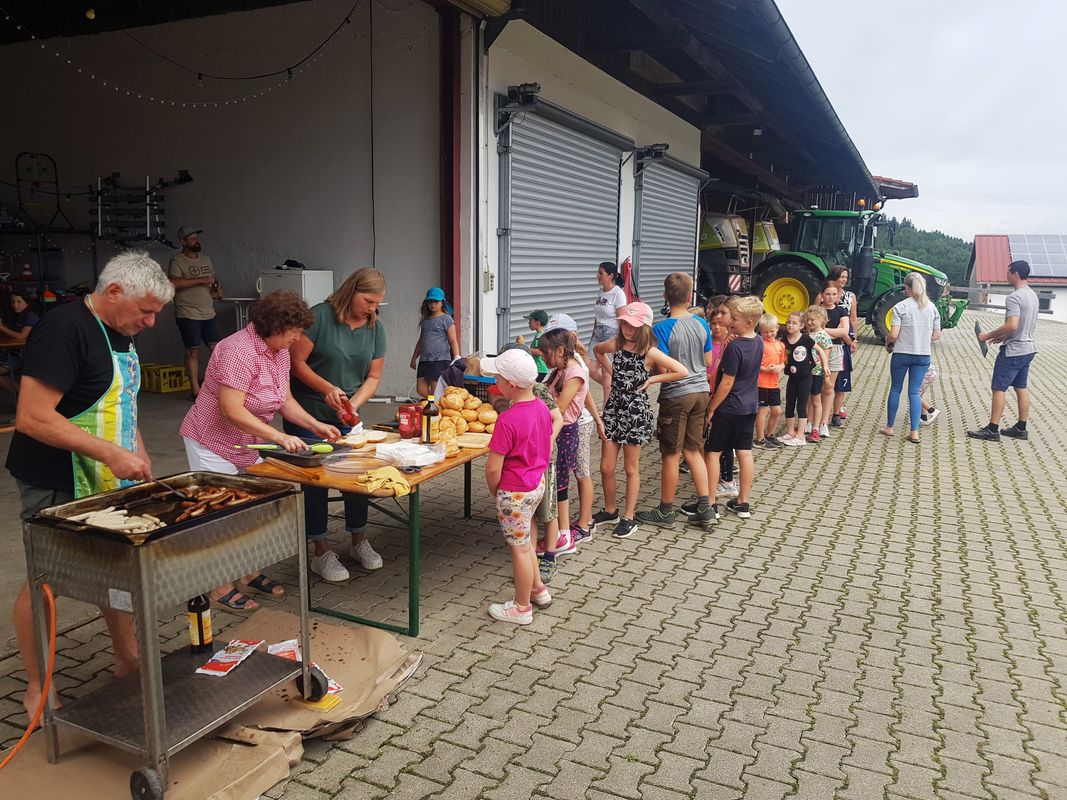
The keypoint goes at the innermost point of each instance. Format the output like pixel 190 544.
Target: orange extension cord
pixel 51 605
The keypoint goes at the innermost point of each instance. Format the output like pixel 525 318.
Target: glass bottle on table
pixel 431 421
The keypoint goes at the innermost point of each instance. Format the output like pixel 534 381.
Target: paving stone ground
pixel 890 623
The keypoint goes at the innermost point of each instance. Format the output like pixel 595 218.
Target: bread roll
pixel 449 412
pixel 476 427
pixel 490 427
pixel 486 415
pixel 461 425
pixel 472 403
pixel 469 414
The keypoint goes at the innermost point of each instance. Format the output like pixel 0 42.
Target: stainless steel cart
pixel 167 707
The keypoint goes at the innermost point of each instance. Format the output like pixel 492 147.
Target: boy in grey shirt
pixel 1017 349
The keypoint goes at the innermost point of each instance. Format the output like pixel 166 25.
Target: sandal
pixel 913 441
pixel 264 585
pixel 235 601
pixel 886 434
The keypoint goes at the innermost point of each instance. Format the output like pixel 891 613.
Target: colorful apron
pixel 112 418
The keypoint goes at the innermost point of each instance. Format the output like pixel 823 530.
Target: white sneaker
pixel 934 413
pixel 727 489
pixel 329 567
pixel 824 431
pixel 365 556
pixel 541 599
pixel 509 612
pixel 794 441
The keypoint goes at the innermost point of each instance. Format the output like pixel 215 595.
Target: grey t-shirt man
pixel 1021 303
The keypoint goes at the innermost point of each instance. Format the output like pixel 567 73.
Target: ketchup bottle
pixel 348 415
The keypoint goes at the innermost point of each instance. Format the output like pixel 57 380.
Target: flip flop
pixel 886 435
pixel 231 601
pixel 913 441
pixel 264 585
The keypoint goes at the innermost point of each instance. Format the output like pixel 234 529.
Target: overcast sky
pixel 964 97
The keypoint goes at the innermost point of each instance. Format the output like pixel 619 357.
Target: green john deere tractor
pixel 789 280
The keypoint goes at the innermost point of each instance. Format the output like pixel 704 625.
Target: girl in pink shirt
pixel 569 385
pixel 518 457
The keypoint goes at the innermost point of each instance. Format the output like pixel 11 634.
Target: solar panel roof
pixel 1045 252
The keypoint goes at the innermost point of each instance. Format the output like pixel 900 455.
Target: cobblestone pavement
pixel 892 622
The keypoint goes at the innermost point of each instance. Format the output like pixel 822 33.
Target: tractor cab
pixel 842 237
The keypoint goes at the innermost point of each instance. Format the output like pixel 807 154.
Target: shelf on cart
pixel 194 703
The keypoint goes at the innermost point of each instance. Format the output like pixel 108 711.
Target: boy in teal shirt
pixel 538 319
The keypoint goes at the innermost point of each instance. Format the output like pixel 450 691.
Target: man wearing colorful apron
pixel 76 423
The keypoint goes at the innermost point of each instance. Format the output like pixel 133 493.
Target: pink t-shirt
pixel 243 362
pixel 523 435
pixel 576 370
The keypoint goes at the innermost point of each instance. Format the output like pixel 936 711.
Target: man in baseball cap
pixel 196 288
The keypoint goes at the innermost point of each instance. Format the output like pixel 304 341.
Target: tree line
pixel 950 254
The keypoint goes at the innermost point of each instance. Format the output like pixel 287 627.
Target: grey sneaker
pixel 985 434
pixel 546 569
pixel 603 516
pixel 1015 433
pixel 624 529
pixel 704 519
pixel 657 518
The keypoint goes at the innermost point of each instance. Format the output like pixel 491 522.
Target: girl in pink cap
pixel 627 412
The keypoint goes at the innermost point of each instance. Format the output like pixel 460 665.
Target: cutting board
pixel 475 441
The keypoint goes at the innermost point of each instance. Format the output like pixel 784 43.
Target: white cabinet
pixel 314 285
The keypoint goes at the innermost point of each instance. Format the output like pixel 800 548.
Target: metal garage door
pixel 560 186
pixel 665 223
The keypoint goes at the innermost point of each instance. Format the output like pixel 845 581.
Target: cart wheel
pixel 319 684
pixel 147 784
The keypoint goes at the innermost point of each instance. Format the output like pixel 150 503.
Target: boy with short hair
pixel 537 321
pixel 732 410
pixel 686 338
pixel 770 383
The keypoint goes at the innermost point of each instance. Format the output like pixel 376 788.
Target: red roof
pixel 991 255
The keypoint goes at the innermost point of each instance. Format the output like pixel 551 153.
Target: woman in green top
pixel 339 358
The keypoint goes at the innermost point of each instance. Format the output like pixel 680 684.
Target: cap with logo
pixel 636 314
pixel 188 230
pixel 539 315
pixel 562 321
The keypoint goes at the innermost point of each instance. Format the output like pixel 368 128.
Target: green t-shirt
pixel 542 367
pixel 340 355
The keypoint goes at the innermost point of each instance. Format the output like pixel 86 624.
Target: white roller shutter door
pixel 665 226
pixel 564 219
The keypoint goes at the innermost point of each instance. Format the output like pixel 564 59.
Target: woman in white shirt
pixel 609 299
pixel 916 324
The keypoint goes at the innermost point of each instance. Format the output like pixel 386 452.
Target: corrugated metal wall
pixel 564 220
pixel 665 240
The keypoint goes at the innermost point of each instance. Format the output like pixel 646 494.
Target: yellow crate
pixel 164 378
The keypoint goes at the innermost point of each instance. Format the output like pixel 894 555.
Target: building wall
pixel 1058 304
pixel 523 54
pixel 287 175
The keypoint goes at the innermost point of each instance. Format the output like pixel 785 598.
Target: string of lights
pixel 291 72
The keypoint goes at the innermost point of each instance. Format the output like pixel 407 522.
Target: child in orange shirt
pixel 770 377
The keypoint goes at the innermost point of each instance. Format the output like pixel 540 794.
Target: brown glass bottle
pixel 199 612
pixel 431 421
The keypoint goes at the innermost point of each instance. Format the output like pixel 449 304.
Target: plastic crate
pixel 480 386
pixel 164 378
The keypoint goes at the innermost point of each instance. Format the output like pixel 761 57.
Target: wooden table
pixel 319 476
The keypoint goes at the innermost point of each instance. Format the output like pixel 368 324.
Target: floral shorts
pixel 585 443
pixel 515 511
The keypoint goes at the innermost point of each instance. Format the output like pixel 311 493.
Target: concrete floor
pixel 161 416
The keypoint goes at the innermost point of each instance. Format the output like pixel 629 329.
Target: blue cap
pixel 437 293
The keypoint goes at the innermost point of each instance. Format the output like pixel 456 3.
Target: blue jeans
pixel 914 367
pixel 316 505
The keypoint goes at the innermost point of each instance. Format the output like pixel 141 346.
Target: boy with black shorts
pixel 732 410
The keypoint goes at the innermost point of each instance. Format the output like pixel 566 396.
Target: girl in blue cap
pixel 438 343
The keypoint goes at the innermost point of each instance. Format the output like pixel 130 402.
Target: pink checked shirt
pixel 243 362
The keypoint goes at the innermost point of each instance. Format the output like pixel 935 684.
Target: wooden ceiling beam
pixel 687 88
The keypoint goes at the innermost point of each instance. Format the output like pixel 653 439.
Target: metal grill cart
pixel 169 706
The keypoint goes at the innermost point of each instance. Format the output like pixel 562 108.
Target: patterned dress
pixel 628 413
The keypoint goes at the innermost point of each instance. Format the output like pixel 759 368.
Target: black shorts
pixel 431 369
pixel 816 384
pixel 770 398
pixel 730 432
pixel 196 332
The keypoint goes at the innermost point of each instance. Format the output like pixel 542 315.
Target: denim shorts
pixel 1011 371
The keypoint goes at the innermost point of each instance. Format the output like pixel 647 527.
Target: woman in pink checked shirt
pixel 246 384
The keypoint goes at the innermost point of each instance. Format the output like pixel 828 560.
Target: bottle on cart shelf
pixel 199 610
pixel 431 421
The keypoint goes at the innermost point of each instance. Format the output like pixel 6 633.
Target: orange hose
pixel 47 686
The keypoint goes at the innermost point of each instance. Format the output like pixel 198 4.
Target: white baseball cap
pixel 562 321
pixel 515 366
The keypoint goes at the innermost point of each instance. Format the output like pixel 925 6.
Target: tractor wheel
pixel 882 312
pixel 787 287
